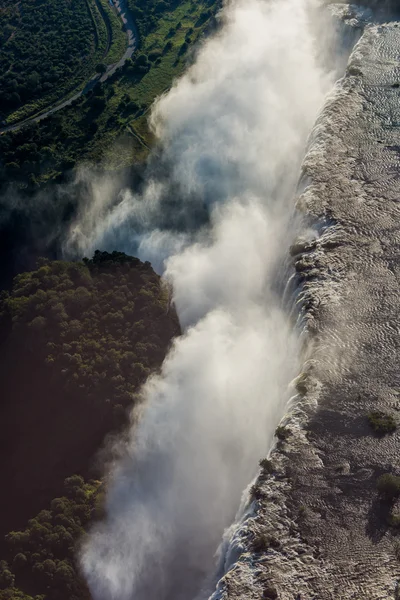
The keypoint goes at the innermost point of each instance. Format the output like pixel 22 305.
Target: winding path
pixel 131 31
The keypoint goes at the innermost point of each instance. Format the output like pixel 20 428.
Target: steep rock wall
pixel 316 528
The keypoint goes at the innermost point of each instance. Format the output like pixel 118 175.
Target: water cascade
pixel 232 133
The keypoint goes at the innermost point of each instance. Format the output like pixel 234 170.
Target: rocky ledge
pixel 320 526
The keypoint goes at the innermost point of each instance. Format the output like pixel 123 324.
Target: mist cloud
pixel 215 214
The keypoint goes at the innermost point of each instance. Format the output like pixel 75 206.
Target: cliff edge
pixel 321 524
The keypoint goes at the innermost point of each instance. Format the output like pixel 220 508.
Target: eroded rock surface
pixel 319 529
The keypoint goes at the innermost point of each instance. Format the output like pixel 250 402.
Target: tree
pixel 168 46
pixel 98 103
pixel 6 577
pixel 15 99
pixel 38 323
pixel 142 60
pixel 382 422
pixel 101 68
pixel 20 561
pixel 183 48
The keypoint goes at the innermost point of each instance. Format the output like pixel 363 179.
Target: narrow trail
pixel 132 36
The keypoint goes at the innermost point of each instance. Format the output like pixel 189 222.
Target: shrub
pixel 396 549
pixel 101 68
pixel 270 593
pixel 154 55
pixel 394 519
pixel 38 323
pixel 302 511
pixel 19 562
pixel 260 543
pixel 256 492
pixel 388 485
pixel 381 422
pixel 282 433
pixel 6 577
pixel 142 60
pixel 168 46
pixel 267 465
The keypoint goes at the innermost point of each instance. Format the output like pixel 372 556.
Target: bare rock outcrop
pixel 319 529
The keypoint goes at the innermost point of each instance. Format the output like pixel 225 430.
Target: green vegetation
pixel 92 322
pixel 382 422
pixel 388 486
pixel 100 27
pixel 116 29
pixel 77 342
pixel 263 542
pixel 101 68
pixel 282 433
pixel 267 465
pixel 302 511
pixel 148 13
pixel 394 519
pixel 47 49
pixel 41 559
pixel 109 125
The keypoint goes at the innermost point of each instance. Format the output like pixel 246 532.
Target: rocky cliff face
pixel 316 527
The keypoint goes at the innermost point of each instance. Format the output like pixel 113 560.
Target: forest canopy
pixel 42 45
pixel 77 340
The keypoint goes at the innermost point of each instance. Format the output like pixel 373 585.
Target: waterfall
pixel 216 217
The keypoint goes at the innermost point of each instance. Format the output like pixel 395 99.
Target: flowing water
pixel 216 217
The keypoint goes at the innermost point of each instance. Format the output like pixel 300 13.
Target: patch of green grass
pixel 118 35
pixel 381 422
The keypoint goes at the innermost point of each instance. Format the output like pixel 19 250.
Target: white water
pixel 232 133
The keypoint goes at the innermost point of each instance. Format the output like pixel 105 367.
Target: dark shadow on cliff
pixel 378 515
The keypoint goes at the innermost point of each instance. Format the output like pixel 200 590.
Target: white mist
pixel 232 132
